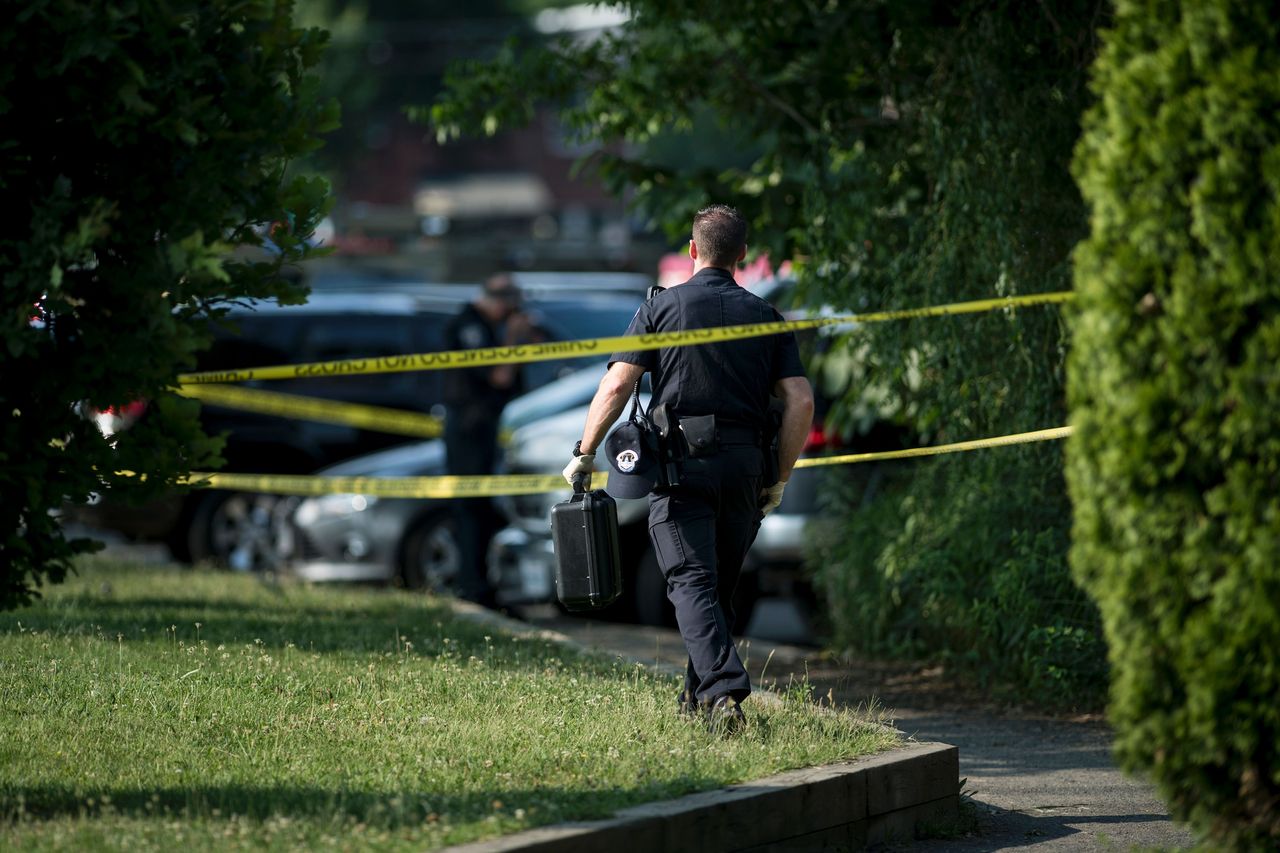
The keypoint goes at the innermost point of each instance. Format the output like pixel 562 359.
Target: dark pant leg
pixel 471 449
pixel 683 527
pixel 738 519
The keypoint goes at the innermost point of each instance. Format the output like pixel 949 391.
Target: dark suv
pixel 249 531
pixel 243 530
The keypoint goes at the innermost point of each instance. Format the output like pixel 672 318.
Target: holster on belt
pixel 670 450
pixel 696 437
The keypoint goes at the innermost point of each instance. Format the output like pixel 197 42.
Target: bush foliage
pixel 143 142
pixel 964 557
pixel 905 155
pixel 1175 466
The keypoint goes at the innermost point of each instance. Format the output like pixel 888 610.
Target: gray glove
pixel 581 465
pixel 772 496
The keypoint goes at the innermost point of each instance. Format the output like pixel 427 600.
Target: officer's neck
pixel 699 265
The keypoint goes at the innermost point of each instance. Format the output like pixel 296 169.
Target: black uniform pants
pixel 701 530
pixel 471 447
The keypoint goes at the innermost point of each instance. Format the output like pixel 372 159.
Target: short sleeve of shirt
pixel 640 325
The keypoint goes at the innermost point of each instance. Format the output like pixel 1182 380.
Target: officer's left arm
pixel 797 418
pixel 609 401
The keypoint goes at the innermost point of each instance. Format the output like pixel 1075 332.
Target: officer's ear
pixel 742 256
pixel 693 251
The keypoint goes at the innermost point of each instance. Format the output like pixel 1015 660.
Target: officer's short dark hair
pixel 721 234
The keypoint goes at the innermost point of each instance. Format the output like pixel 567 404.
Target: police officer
pixel 717 397
pixel 474 398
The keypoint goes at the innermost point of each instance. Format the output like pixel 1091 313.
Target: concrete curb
pixel 837 807
pixel 845 806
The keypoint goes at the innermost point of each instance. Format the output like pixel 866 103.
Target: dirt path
pixel 1038 782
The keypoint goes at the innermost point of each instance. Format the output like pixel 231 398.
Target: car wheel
pixel 430 558
pixel 649 592
pixel 242 531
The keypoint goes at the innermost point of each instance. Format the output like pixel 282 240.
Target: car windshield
pixel 569 392
pixel 575 320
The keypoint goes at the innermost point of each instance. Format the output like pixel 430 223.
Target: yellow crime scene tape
pixel 957 447
pixel 377 418
pixel 526 353
pixel 487 486
pixel 208 387
pixel 536 484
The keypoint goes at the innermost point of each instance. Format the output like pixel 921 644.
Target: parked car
pixel 241 529
pixel 409 541
pixel 522 559
pixel 350 537
pixel 249 531
pixel 544 283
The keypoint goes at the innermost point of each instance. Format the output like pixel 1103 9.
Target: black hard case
pixel 584 533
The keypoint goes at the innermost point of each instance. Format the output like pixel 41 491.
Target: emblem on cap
pixel 627 460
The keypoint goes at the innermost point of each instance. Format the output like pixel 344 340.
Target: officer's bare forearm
pixel 608 403
pixel 797 420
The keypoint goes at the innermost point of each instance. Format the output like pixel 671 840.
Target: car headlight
pixel 332 506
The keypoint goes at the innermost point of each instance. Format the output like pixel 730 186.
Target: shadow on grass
pixel 309 627
pixel 384 809
pixel 325 630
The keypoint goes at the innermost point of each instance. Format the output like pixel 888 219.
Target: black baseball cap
pixel 633 456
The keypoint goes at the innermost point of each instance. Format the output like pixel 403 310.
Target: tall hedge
pixel 141 144
pixel 1174 379
pixel 964 557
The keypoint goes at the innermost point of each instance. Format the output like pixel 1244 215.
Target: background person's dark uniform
pixel 703 527
pixel 472 408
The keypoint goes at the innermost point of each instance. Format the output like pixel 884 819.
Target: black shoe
pixel 688 706
pixel 725 717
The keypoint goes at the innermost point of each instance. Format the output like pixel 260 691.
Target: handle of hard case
pixel 579 483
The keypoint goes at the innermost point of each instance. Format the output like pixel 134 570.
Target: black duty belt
pixel 731 434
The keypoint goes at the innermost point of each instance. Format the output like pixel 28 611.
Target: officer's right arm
pixel 608 402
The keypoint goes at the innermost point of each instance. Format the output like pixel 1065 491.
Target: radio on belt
pixel 584 534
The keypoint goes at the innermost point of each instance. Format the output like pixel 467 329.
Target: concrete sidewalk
pixel 1037 782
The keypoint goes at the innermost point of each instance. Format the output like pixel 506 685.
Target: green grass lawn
pixel 148 708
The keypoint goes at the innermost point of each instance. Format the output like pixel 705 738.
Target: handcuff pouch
pixel 699 435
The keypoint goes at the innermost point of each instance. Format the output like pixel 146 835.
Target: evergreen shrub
pixel 1174 469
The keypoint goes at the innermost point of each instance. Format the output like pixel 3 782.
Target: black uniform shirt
pixel 728 379
pixel 470 388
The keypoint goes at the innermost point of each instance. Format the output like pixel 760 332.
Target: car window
pixel 335 338
pixel 575 320
pixel 570 391
pixel 251 341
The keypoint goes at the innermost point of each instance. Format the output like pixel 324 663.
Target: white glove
pixel 581 465
pixel 772 496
